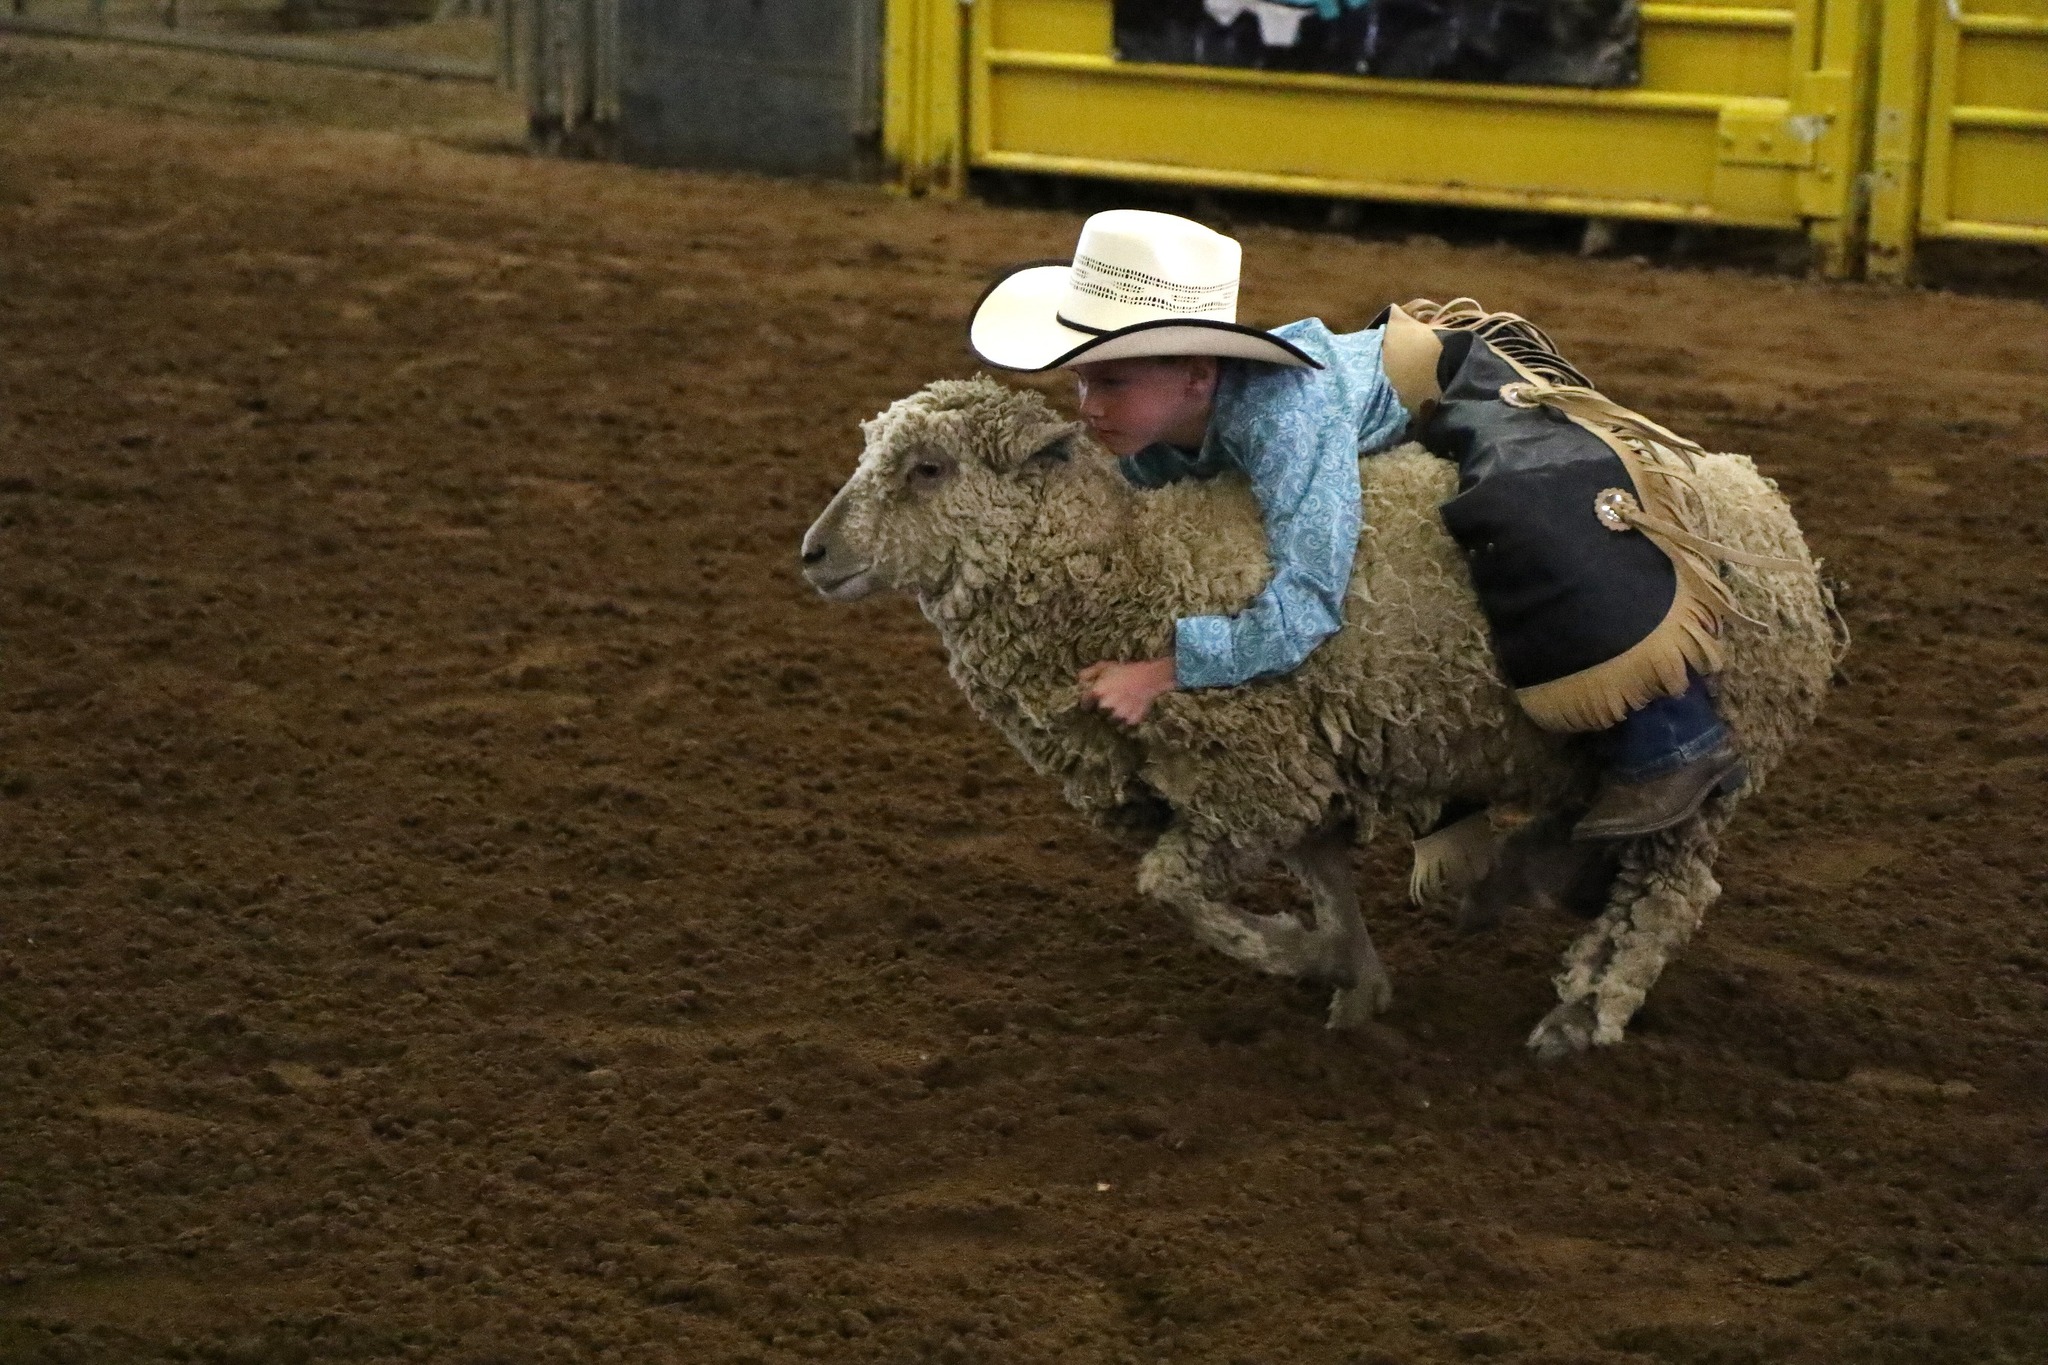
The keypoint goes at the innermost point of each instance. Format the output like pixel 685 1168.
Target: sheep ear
pixel 1052 447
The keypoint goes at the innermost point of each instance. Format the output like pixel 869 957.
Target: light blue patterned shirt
pixel 1297 434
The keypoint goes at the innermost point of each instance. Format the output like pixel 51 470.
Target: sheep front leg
pixel 1663 890
pixel 1322 862
pixel 1194 878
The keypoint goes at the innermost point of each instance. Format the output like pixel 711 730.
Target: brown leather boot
pixel 1629 810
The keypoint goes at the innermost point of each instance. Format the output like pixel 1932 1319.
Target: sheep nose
pixel 812 556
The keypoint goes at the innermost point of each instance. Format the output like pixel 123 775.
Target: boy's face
pixel 1130 404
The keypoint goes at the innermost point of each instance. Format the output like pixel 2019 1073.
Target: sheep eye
pixel 929 471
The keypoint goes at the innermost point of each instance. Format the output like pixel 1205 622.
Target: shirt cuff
pixel 1204 653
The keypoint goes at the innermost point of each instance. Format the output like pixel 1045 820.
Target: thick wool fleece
pixel 1034 558
pixel 1032 568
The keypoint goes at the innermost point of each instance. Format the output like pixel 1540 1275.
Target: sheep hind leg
pixel 1195 878
pixel 1663 890
pixel 1322 863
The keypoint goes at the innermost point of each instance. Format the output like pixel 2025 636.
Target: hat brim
pixel 1016 326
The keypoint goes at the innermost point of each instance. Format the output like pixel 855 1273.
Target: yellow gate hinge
pixel 1759 132
pixel 1803 135
pixel 1765 133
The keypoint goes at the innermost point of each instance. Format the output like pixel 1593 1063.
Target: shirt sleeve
pixel 1384 421
pixel 1299 444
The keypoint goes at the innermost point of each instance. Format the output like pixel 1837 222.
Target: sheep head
pixel 948 476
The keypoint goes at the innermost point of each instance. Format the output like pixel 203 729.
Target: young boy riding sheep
pixel 1603 602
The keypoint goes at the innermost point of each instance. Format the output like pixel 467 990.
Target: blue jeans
pixel 1665 735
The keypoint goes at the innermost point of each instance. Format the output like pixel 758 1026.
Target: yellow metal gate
pixel 1869 124
pixel 1961 146
pixel 1747 114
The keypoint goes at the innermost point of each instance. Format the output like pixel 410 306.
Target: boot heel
pixel 1629 810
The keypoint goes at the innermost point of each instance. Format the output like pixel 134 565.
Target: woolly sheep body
pixel 1033 558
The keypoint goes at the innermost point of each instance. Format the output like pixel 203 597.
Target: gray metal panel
pixel 766 85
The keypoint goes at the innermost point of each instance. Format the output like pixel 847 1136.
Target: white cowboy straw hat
pixel 1140 284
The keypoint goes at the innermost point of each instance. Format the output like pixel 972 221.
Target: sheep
pixel 1033 557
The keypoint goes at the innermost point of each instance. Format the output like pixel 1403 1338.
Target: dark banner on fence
pixel 1518 42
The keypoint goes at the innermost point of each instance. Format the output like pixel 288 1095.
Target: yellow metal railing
pixel 1865 123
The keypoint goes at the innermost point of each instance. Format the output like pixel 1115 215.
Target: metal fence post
pixel 544 101
pixel 582 67
pixel 1897 140
pixel 606 42
pixel 507 43
pixel 925 87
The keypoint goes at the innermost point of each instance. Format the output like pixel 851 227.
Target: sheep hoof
pixel 1564 1032
pixel 1353 1007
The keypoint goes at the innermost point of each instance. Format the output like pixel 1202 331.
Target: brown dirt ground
pixel 465 901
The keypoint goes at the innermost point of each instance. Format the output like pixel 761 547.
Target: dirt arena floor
pixel 464 900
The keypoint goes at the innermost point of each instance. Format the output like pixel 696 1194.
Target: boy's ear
pixel 1199 374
